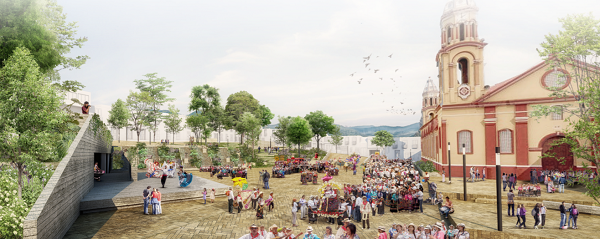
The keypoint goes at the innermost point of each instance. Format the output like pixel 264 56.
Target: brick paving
pixel 194 219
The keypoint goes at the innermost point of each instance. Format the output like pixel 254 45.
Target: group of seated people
pixel 531 190
pixel 228 171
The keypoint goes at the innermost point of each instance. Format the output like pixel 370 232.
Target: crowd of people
pixel 226 171
pixel 282 168
pixel 348 231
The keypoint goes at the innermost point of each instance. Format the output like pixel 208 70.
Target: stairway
pixel 82 120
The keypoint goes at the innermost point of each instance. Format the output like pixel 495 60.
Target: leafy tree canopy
pixel 299 131
pixel 383 139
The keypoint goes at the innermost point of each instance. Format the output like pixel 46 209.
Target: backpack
pixel 533 212
pixel 574 211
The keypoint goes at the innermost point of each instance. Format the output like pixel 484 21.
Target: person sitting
pixel 447 208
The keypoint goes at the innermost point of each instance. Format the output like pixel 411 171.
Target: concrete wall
pixel 58 205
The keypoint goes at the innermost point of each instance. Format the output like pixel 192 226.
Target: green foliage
pixel 67 138
pixel 156 87
pixel 164 154
pixel 299 131
pixel 25 134
pixel 41 27
pixel 137 104
pixel 265 115
pixel 249 126
pixel 100 129
pixel 383 139
pixel 281 130
pixel 195 156
pixel 12 209
pixel 118 116
pixel 336 137
pixel 117 160
pixel 577 49
pixel 198 124
pixel 237 104
pixel 141 165
pixel 426 166
pixel 173 121
pixel 320 124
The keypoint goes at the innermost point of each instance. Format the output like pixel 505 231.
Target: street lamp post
pixel 498 193
pixel 464 152
pixel 449 165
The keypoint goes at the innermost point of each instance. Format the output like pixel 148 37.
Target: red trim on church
pixel 490 135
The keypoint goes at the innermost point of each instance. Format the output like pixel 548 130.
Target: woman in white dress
pixel 443 176
pixel 212 195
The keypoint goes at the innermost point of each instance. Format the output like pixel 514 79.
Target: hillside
pixel 369 130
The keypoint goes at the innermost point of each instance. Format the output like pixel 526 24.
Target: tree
pixel 237 104
pixel 577 49
pixel 336 137
pixel 206 101
pixel 138 103
pixel 282 129
pixel 173 121
pixel 249 125
pixel 41 27
pixel 197 123
pixel 299 131
pixel 156 88
pixel 217 120
pixel 265 115
pixel 29 122
pixel 118 116
pixel 320 124
pixel 383 139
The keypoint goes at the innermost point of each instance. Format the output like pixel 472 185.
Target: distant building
pixel 467 112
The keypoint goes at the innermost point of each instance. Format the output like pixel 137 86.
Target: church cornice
pixel 448 48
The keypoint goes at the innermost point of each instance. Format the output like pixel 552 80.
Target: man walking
pixel 563 215
pixel 511 203
pixel 146 199
pixel 561 182
pixel 504 182
pixel 230 200
pixel 266 178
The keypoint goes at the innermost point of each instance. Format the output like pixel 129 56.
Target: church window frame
pixel 462 71
pixel 551 78
pixel 464 137
pixel 558 114
pixel 462 31
pixel 449 34
pixel 506 141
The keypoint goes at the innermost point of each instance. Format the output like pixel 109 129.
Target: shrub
pixel 426 166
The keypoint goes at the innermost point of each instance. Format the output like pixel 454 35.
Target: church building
pixel 465 111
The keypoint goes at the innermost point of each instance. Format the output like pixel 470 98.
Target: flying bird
pixel 367 65
pixel 368 57
pixel 359 82
pixel 352 74
pixel 380 78
pixel 390 56
pixel 396 70
pixel 376 70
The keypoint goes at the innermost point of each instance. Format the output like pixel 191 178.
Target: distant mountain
pixel 369 130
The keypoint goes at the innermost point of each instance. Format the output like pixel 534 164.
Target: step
pixel 527 204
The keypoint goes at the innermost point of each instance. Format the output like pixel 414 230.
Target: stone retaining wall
pixel 473 197
pixel 58 205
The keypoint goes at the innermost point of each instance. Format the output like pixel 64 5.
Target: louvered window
pixel 506 141
pixel 465 137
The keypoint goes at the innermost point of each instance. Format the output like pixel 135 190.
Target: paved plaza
pixel 193 219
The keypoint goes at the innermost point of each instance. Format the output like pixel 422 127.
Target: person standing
pixel 238 200
pixel 562 182
pixel 483 173
pixel 260 207
pixel 357 205
pixel 522 212
pixel 204 195
pixel 146 194
pixel 253 233
pixel 254 197
pixel 570 215
pixel 294 213
pixel 462 234
pixel 503 181
pixel 382 234
pixel 212 196
pixel 518 215
pixel 511 203
pixel 267 176
pixel 154 201
pixel 365 209
pixel 309 235
pixel 535 212
pixel 420 199
pixel 271 201
pixel 303 207
pixel 230 198
pixel 575 214
pixel 563 215
pixel 159 201
pixel 328 233
pixel 163 178
pixel 543 215
pixel 342 230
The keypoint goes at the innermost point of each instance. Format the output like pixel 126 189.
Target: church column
pixel 521 136
pixel 444 143
pixel 452 75
pixel 490 135
pixel 476 65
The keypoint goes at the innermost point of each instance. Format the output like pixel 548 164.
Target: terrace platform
pixel 115 191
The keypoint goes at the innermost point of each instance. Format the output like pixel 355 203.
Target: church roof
pixel 430 89
pixel 497 88
pixel 455 5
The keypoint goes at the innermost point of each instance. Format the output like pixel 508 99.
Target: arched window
pixel 465 137
pixel 425 101
pixel 505 137
pixel 462 32
pixel 462 74
pixel 430 116
pixel 430 101
pixel 449 34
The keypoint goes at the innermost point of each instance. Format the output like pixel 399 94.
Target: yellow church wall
pixel 449 90
pixel 505 119
pixel 528 88
pixel 466 119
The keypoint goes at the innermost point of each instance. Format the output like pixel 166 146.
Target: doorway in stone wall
pixel 556 156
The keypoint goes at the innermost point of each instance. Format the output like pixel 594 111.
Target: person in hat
pixel 254 233
pixel 365 209
pixel 342 230
pixel 309 234
pixel 260 207
pixel 294 212
pixel 254 198
pixel 438 231
pixel 426 233
pixel 382 234
pixel 411 230
pixel 273 233
pixel 462 234
pixel 392 232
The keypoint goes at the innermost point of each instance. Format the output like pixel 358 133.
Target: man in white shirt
pixel 230 200
pixel 273 233
pixel 357 205
pixel 365 209
pixel 342 230
pixel 253 233
pixel 254 197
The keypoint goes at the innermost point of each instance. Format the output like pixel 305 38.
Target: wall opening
pixel 462 31
pixel 449 34
pixel 462 74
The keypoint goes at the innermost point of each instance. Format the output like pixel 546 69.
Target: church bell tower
pixel 460 59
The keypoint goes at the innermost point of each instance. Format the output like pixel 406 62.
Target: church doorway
pixel 558 157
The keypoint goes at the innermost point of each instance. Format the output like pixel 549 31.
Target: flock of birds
pixel 371 69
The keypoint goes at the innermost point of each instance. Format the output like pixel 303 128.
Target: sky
pixel 297 57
